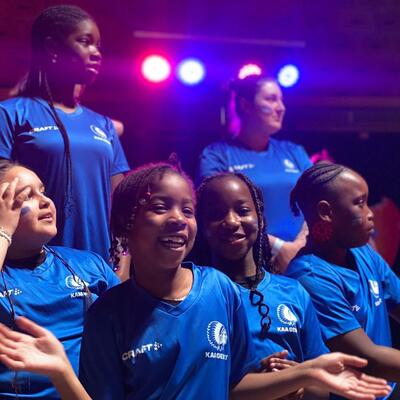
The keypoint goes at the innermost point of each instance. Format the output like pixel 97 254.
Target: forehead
pixel 350 182
pixel 25 176
pixel 268 88
pixel 228 189
pixel 86 27
pixel 173 185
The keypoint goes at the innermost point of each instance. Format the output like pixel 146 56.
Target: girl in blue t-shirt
pixel 174 330
pixel 74 150
pixel 54 286
pixel 230 214
pixel 273 165
pixel 353 289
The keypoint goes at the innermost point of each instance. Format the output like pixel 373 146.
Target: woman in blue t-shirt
pixel 353 289
pixel 273 165
pixel 74 150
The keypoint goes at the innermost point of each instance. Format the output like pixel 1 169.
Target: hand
pixel 10 205
pixel 38 351
pixel 277 361
pixel 287 253
pixel 335 372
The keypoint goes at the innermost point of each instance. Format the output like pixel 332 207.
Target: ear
pixel 324 211
pixel 245 105
pixel 51 48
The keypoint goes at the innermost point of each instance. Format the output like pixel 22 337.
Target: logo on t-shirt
pixel 217 336
pixel 74 282
pixel 99 134
pixel 44 128
pixel 10 292
pixel 146 348
pixel 286 316
pixel 374 289
pixel 240 167
pixel 290 167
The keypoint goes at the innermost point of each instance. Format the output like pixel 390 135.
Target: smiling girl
pixel 53 286
pixel 74 150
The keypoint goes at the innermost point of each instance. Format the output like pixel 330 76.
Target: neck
pixel 329 252
pixel 237 270
pixel 165 284
pixel 254 136
pixel 62 92
pixel 31 257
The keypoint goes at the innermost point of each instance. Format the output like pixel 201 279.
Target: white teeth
pixel 173 240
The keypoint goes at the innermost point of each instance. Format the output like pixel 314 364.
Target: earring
pixel 321 231
pixel 145 199
pixel 124 246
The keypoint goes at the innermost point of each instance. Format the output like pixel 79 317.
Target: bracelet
pixel 276 247
pixel 5 235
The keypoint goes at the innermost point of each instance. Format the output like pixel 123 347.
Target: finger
pixel 353 361
pixel 11 363
pixel 6 332
pixel 372 379
pixel 20 198
pixel 3 188
pixel 31 327
pixel 9 192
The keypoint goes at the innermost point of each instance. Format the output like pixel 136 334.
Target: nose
pixel 231 221
pixel 44 201
pixel 95 53
pixel 281 106
pixel 370 215
pixel 177 220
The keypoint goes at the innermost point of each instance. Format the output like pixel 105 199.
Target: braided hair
pixel 57 22
pixel 261 248
pixel 315 183
pixel 131 193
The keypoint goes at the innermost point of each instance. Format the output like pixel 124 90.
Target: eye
pixel 188 211
pixel 84 40
pixel 243 211
pixel 159 208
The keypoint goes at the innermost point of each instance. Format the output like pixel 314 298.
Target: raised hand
pixel 37 351
pixel 336 372
pixel 10 205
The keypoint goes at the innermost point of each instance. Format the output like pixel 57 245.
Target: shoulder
pixel 289 147
pixel 301 265
pixel 16 104
pixel 219 146
pixel 95 117
pixel 288 285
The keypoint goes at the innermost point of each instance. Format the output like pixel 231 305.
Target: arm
pixel 42 353
pixel 283 252
pixel 115 179
pixel 382 361
pixel 334 372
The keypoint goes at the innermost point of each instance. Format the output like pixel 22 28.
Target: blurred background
pixel 346 99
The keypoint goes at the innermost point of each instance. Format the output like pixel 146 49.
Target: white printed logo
pixel 374 287
pixel 285 315
pixel 10 292
pixel 289 166
pixel 44 128
pixel 240 167
pixel 99 134
pixel 74 282
pixel 141 350
pixel 217 335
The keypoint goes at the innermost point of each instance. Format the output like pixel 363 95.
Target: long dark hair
pixel 57 22
pixel 261 247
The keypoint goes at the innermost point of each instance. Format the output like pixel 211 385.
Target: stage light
pixel 249 69
pixel 156 68
pixel 288 75
pixel 191 71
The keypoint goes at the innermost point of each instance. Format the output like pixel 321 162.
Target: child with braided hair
pixel 174 330
pixel 232 237
pixel 353 289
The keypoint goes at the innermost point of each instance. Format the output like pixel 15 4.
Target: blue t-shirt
pixel 294 324
pixel 275 171
pixel 136 346
pixel 346 300
pixel 50 296
pixel 29 135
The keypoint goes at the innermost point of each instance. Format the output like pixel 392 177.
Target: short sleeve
pixel 302 158
pixel 244 358
pixel 109 278
pixel 333 309
pixel 100 369
pixel 390 282
pixel 211 162
pixel 311 338
pixel 6 134
pixel 120 165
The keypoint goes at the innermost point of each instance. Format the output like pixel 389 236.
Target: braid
pixel 316 181
pixel 130 194
pixel 261 247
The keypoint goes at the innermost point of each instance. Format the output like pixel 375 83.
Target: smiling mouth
pixel 173 242
pixel 234 239
pixel 48 218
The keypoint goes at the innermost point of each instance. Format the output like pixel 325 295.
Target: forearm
pixel 3 251
pixel 68 385
pixel 383 362
pixel 273 385
pixel 316 393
